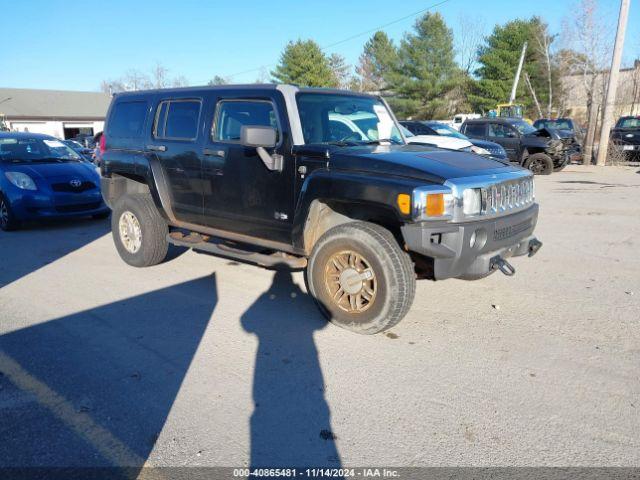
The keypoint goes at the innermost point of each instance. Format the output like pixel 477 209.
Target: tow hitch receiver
pixel 499 263
pixel 534 246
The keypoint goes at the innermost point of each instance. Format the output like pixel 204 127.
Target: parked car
pixel 626 136
pixel 85 153
pixel 541 151
pixel 482 147
pixel 448 143
pixel 567 129
pixel 41 177
pixel 263 174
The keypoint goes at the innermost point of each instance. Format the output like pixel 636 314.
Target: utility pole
pixel 512 98
pixel 612 87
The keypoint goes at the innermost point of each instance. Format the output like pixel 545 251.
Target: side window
pixel 127 119
pixel 231 115
pixel 177 120
pixel 498 130
pixel 474 129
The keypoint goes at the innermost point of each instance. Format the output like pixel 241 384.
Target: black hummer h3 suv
pixel 542 151
pixel 281 176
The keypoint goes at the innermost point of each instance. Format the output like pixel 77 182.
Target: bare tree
pixel 469 37
pixel 534 96
pixel 136 80
pixel 543 43
pixel 159 76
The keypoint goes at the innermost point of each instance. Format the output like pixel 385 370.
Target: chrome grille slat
pixel 503 197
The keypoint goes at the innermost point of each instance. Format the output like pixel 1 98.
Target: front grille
pixel 507 196
pixel 78 207
pixel 511 230
pixel 68 188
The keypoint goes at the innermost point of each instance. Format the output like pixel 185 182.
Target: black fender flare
pixel 349 188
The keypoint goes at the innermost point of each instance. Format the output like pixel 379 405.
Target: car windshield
pixel 523 127
pixel 560 124
pixel 446 130
pixel 35 150
pixel 345 119
pixel 629 122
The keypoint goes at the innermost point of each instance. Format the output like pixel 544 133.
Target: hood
pixel 485 143
pixel 55 171
pixel 440 141
pixel 414 161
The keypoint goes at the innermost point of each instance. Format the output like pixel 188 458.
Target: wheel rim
pixel 537 166
pixel 130 232
pixel 4 213
pixel 350 281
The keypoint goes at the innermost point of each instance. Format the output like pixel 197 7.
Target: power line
pixel 352 37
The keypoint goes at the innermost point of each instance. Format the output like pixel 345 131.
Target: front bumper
pixel 37 205
pixel 449 245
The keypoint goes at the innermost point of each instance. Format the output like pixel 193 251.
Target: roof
pixel 53 104
pixel 18 135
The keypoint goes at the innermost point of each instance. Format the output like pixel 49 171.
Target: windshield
pixel 32 149
pixel 523 127
pixel 560 124
pixel 446 130
pixel 345 119
pixel 629 122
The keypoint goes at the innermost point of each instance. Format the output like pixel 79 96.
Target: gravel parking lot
pixel 203 361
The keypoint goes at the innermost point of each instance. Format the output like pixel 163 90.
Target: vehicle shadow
pixel 39 244
pixel 291 422
pixel 94 389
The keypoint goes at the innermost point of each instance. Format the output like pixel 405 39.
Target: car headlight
pixel 433 203
pixel 480 150
pixel 21 180
pixel 472 201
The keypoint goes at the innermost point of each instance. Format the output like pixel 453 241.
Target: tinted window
pixel 127 119
pixel 629 122
pixel 177 119
pixel 498 130
pixel 474 129
pixel 232 115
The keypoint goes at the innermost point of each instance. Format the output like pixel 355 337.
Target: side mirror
pixel 257 136
pixel 261 138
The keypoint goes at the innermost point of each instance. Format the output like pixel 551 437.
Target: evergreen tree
pixel 304 63
pixel 378 59
pixel 426 73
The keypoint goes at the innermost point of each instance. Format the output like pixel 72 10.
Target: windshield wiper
pixel 381 141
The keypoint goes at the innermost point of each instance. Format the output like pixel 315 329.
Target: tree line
pixel 430 74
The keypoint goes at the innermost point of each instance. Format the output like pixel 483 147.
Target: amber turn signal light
pixel 435 205
pixel 404 203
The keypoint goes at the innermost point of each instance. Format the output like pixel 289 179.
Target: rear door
pixel 507 136
pixel 176 140
pixel 240 194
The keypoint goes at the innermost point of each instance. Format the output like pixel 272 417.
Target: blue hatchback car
pixel 41 177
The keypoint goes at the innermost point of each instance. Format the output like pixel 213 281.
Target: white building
pixel 62 114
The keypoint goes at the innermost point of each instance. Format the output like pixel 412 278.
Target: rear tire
pixel 360 278
pixel 139 232
pixel 8 220
pixel 539 164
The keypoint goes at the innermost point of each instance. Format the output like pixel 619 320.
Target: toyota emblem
pixel 75 183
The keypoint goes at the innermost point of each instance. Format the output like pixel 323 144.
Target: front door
pixel 176 141
pixel 240 194
pixel 508 137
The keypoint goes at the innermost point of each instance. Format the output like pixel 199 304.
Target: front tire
pixel 539 164
pixel 138 230
pixel 8 220
pixel 360 278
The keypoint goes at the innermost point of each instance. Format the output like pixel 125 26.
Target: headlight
pixel 433 203
pixel 480 150
pixel 472 201
pixel 21 180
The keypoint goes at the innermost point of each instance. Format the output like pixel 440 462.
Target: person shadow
pixel 291 421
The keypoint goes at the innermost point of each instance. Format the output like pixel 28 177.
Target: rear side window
pixel 177 120
pixel 127 119
pixel 474 129
pixel 231 115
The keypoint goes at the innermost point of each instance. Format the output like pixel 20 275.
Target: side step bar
pixel 198 242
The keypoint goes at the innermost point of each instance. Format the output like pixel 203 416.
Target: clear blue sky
pixel 73 45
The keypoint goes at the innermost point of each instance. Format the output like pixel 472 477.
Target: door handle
pixel 213 153
pixel 157 148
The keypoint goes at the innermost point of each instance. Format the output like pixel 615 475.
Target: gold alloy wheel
pixel 350 281
pixel 130 232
